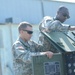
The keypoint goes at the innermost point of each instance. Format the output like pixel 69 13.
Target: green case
pixel 42 65
pixel 62 41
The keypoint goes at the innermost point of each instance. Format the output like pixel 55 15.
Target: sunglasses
pixel 66 15
pixel 29 32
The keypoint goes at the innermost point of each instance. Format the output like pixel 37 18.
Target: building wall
pixel 23 10
pixel 5 50
pixel 32 10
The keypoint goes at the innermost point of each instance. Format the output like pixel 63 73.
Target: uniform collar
pixel 24 43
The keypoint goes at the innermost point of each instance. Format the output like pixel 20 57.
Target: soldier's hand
pixel 49 54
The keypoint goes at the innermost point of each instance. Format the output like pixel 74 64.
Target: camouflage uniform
pixel 52 25
pixel 56 25
pixel 22 52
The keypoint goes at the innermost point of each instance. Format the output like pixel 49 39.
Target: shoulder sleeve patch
pixel 20 47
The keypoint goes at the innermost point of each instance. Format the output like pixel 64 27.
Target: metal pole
pixel 0 64
pixel 42 7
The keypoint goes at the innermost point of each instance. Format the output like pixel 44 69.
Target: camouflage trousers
pixel 22 69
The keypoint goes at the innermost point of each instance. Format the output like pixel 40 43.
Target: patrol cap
pixel 64 11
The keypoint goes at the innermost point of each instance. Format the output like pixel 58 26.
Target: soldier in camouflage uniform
pixel 49 24
pixel 23 48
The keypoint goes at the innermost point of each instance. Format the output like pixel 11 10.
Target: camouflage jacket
pixel 52 25
pixel 22 52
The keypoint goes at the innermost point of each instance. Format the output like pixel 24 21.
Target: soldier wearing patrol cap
pixel 23 48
